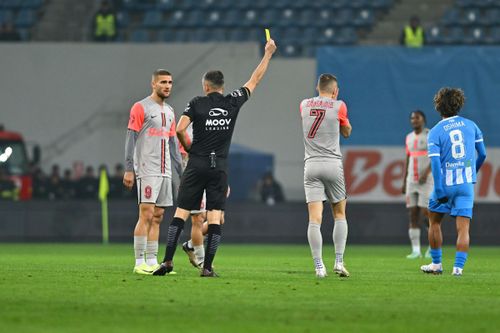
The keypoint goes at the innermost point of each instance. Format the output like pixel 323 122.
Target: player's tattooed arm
pixel 181 132
pixel 261 69
pixel 407 162
pixel 346 130
pixel 128 176
pixel 175 154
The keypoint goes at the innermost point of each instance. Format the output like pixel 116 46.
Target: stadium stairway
pixel 387 30
pixel 65 21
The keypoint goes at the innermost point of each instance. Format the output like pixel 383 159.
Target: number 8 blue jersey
pixel 453 140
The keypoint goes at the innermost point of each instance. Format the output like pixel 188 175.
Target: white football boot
pixel 340 269
pixel 432 268
pixel 457 271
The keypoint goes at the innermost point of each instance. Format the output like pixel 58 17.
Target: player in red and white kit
pixel 150 146
pixel 418 181
pixel 324 118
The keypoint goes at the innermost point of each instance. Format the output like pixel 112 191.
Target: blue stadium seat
pixel 484 3
pixel 244 4
pixel 494 36
pixel 200 35
pixel 347 36
pixel 250 18
pixel 140 36
pixel 138 5
pixel 153 19
pixel 213 18
pixel 287 17
pixel 166 35
pixel 165 4
pixel 122 19
pixel 268 18
pixel 195 19
pixel 307 18
pixel 25 19
pixel 238 35
pixel 232 18
pixel 470 17
pixel 32 4
pixel 11 4
pixel 451 17
pixel 310 35
pixel 187 4
pixel 324 19
pixel 344 17
pixel 364 18
pixel 279 4
pixel 491 17
pixel 465 3
pixel 177 19
pixel 381 4
pixel 214 4
pixel 291 50
pixel 261 4
pixel 358 4
pixel 25 34
pixel 434 36
pixel 327 36
pixel 291 35
pixel 6 16
pixel 182 35
pixel 299 4
pixel 454 36
pixel 475 36
pixel 339 4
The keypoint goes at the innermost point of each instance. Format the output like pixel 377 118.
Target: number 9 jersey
pixel 454 141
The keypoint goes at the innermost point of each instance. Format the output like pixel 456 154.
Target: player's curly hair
pixel 449 101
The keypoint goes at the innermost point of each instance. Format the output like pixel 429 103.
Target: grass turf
pixel 90 288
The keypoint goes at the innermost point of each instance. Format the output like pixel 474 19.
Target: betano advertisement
pixel 376 174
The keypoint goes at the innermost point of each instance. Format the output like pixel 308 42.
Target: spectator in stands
pixel 54 186
pixel 270 190
pixel 104 23
pixel 40 190
pixel 68 185
pixel 8 190
pixel 8 33
pixel 87 186
pixel 413 34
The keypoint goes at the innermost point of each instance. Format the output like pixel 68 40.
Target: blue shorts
pixel 460 201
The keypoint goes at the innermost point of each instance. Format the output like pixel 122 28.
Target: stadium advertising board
pixel 376 174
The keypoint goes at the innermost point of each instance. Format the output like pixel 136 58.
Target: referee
pixel 213 116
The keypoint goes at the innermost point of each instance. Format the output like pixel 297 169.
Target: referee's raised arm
pixel 261 69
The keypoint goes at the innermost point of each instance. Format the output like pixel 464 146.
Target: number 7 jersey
pixel 454 141
pixel 321 121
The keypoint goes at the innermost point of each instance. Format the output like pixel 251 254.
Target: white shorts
pixel 155 189
pixel 417 195
pixel 324 180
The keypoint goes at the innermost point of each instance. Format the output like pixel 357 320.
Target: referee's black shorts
pixel 198 177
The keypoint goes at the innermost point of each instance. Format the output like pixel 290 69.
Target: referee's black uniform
pixel 213 117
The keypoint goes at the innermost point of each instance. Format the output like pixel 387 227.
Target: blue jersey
pixel 453 140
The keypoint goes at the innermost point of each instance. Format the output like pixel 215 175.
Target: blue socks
pixel 436 255
pixel 460 258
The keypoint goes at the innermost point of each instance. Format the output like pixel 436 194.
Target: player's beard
pixel 162 95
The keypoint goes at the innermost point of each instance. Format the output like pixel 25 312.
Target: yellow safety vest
pixel 105 25
pixel 414 38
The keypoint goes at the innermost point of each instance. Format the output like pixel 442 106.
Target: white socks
pixel 414 234
pixel 316 243
pixel 152 253
pixel 139 249
pixel 339 239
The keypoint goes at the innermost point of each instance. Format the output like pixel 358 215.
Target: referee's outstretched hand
pixel 270 47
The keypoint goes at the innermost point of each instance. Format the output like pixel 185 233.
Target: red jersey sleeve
pixel 136 119
pixel 344 121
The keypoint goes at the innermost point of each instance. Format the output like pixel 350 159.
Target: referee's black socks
pixel 174 231
pixel 213 241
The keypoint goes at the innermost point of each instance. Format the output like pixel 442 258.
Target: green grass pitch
pixel 90 288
